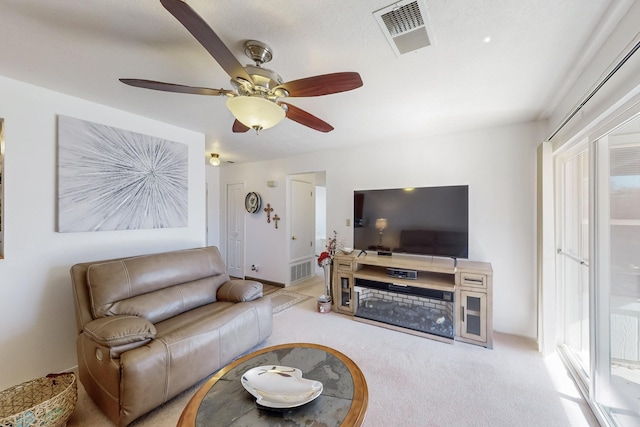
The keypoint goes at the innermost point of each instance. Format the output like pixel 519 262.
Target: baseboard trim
pixel 266 282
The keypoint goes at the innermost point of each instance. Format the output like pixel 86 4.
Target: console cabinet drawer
pixel 344 265
pixel 473 279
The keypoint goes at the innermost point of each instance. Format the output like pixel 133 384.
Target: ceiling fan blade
pixel 298 115
pixel 322 85
pixel 170 87
pixel 207 38
pixel 239 127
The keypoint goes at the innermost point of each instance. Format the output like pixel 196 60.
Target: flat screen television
pixel 419 221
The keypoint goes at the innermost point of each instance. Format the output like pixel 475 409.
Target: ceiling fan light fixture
pixel 254 102
pixel 214 160
pixel 255 112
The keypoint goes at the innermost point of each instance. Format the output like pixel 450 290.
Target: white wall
pixel 37 333
pixel 499 165
pixel 212 176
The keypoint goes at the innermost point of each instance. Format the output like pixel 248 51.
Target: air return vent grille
pixel 300 271
pixel 404 24
pixel 403 19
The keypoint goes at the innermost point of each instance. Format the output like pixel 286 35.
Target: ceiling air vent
pixel 404 25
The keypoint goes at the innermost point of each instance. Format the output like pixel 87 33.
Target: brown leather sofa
pixel 151 326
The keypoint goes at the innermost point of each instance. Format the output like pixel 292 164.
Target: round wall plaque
pixel 252 202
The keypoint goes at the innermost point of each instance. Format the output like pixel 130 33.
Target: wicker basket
pixel 46 401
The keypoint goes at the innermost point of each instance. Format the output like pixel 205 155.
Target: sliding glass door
pixel 598 270
pixel 617 276
pixel 573 257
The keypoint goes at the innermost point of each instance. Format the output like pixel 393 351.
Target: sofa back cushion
pixel 156 287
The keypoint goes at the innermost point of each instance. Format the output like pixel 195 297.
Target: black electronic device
pixel 430 221
pixel 401 273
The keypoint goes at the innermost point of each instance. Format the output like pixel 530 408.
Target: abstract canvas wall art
pixel 113 179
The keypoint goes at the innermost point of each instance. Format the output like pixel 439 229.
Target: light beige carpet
pixel 417 382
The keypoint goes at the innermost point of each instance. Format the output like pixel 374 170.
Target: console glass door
pixel 474 306
pixel 345 292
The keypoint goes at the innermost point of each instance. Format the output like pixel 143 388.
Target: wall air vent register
pixel 404 24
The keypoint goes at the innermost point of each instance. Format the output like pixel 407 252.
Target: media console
pixel 437 298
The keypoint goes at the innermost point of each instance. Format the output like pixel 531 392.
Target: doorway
pixel 235 230
pixel 307 225
pixel 1 188
pixel 321 220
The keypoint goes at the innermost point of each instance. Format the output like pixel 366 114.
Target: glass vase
pixel 326 266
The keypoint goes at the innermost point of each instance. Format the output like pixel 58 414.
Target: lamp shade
pixel 381 223
pixel 214 160
pixel 255 112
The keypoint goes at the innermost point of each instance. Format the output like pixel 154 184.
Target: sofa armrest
pixel 238 290
pixel 119 330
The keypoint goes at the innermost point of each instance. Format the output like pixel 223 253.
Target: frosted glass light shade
pixel 381 223
pixel 214 160
pixel 255 112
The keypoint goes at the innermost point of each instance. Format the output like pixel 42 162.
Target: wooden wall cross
pixel 268 210
pixel 276 218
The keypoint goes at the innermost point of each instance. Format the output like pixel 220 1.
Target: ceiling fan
pixel 255 100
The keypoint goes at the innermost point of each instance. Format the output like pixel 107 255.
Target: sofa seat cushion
pixel 197 316
pixel 115 331
pixel 192 345
pixel 216 332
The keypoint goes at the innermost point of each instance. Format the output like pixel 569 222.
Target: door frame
pixel 226 228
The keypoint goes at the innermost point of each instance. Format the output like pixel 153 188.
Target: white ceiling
pixel 82 48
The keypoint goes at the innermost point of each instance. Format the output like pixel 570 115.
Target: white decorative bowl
pixel 280 386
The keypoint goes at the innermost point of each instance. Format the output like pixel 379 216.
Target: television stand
pixel 466 287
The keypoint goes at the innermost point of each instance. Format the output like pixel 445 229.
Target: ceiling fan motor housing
pixel 259 52
pixel 264 81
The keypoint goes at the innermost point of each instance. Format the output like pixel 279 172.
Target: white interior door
pixel 302 220
pixel 235 230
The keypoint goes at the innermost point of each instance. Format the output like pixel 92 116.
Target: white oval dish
pixel 280 386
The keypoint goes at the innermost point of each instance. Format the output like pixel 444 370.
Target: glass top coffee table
pixel 223 401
